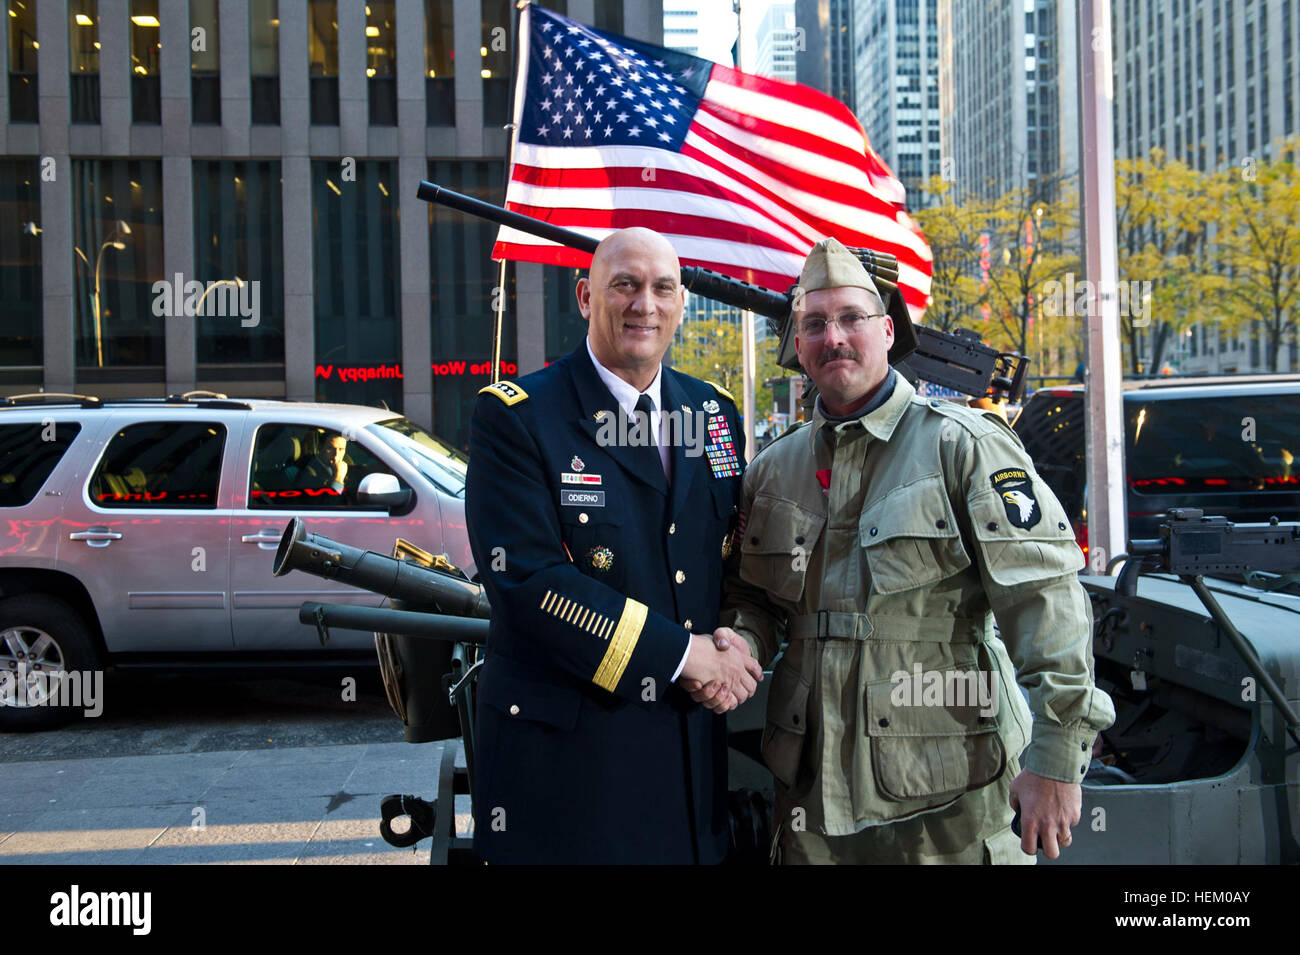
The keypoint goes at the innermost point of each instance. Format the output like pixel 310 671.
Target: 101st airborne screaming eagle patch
pixel 1016 489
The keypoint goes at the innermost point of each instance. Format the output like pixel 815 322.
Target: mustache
pixel 841 352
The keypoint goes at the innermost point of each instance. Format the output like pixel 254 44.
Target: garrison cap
pixel 831 265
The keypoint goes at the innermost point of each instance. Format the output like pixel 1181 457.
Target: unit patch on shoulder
pixel 1016 489
pixel 507 391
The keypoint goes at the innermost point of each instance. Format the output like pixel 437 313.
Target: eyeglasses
pixel 850 323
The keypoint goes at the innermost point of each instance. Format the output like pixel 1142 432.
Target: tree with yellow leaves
pixel 1258 239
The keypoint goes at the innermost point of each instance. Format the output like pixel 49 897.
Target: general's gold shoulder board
pixel 724 392
pixel 507 391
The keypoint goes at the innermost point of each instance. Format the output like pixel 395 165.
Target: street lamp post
pixel 109 243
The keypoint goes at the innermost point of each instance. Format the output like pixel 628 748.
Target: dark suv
pixel 1226 445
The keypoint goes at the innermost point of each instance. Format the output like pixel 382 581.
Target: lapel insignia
pixel 576 464
pixel 726 546
pixel 721 448
pixel 601 558
pixel 601 415
pixel 711 406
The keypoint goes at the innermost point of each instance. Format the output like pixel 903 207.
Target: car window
pixel 1237 443
pixel 28 454
pixel 299 467
pixel 161 464
pixel 438 461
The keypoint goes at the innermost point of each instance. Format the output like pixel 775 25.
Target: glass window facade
pixel 357 282
pixel 381 61
pixel 146 89
pixel 323 61
pixel 21 296
pixel 83 60
pixel 264 60
pixel 23 92
pixel 205 63
pixel 238 230
pixel 118 246
pixel 464 278
pixel 439 63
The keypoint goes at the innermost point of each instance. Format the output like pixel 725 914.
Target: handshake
pixel 719 671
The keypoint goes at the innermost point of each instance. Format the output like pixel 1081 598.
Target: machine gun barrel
pixel 409 623
pixel 714 285
pixel 400 579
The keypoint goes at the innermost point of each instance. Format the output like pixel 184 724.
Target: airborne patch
pixel 1016 489
pixel 507 391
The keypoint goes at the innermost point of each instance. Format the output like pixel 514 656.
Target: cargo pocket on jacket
pixel 923 752
pixel 911 537
pixel 779 537
pixel 787 724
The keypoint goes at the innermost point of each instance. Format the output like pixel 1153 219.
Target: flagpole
pixel 747 360
pixel 499 299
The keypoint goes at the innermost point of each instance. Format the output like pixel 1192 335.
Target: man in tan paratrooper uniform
pixel 880 540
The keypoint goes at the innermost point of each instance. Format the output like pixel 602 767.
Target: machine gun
pixel 1191 545
pixel 956 360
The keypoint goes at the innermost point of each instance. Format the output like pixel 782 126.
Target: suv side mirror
pixel 382 490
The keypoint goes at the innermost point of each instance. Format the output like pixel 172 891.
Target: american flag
pixel 743 174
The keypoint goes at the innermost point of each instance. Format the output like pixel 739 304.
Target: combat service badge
pixel 1016 489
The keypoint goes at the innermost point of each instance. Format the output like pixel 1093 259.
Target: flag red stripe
pixel 666 222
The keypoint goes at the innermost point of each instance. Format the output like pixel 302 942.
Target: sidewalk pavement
pixel 308 805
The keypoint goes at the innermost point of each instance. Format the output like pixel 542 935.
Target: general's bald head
pixel 636 242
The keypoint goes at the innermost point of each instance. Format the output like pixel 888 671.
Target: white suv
pixel 143 531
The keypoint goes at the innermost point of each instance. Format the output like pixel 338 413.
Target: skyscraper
pixel 779 41
pixel 1007 94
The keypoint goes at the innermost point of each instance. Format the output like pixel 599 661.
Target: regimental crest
pixel 1016 489
pixel 711 406
pixel 601 558
pixel 576 464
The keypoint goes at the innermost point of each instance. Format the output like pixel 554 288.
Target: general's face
pixel 847 368
pixel 633 301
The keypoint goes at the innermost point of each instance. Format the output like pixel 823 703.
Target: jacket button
pixel 1084 747
pixel 672 528
pixel 582 518
pixel 884 721
pixel 993 525
pixel 687 623
pixel 1082 770
pixel 680 577
pixel 799 539
pixel 753 540
pixel 1060 525
pixel 875 531
pixel 941 524
pixel 795 719
pixel 514 710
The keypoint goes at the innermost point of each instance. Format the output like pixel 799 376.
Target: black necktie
pixel 644 406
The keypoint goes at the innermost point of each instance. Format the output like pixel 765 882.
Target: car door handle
pixel 263 539
pixel 96 536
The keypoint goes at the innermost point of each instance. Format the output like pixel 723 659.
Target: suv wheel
pixel 41 640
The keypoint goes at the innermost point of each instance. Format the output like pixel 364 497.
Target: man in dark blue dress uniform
pixel 601 498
